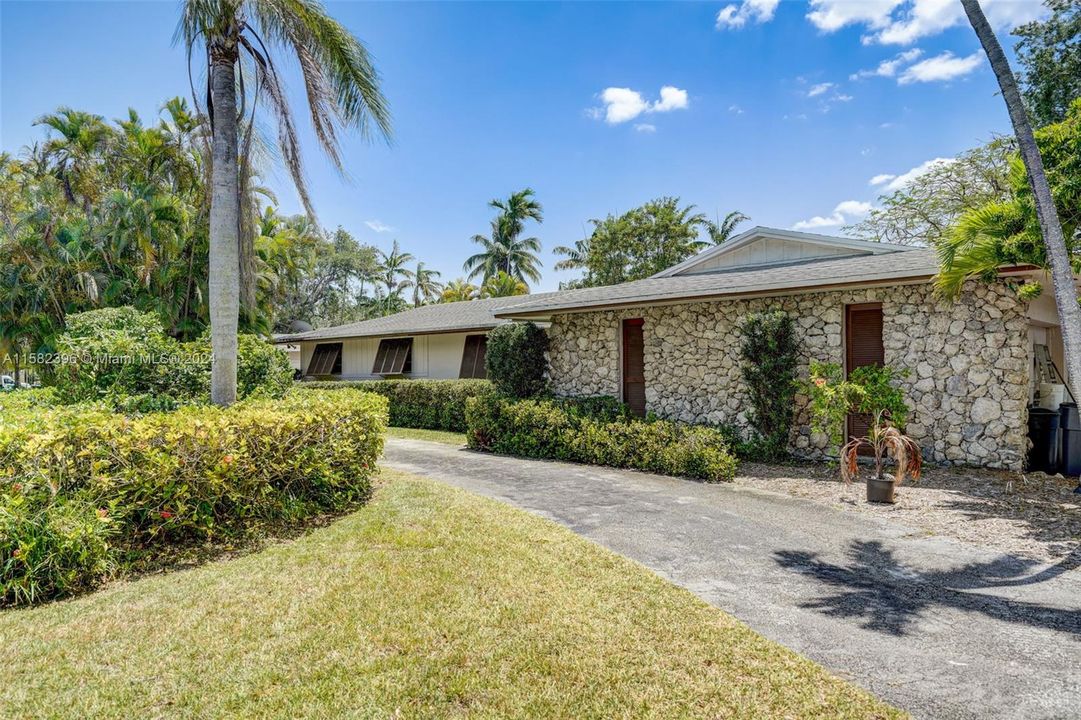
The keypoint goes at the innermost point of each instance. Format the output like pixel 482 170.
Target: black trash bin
pixel 1070 423
pixel 1043 431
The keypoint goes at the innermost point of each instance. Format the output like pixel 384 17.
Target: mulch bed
pixel 1029 515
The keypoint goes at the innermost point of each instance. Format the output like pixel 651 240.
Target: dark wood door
pixel 634 366
pixel 863 346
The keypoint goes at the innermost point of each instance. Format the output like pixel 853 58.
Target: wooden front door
pixel 863 346
pixel 634 366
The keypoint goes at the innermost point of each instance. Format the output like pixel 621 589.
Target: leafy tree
pixel 1049 52
pixel 342 90
pixel 504 250
pixel 426 287
pixel 1051 231
pixel 924 210
pixel 639 243
pixel 503 285
pixel 459 290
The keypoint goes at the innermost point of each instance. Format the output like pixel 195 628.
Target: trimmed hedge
pixel 421 404
pixel 552 430
pixel 83 489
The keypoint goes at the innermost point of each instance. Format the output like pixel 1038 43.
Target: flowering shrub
pixel 561 430
pixel 424 404
pixel 77 479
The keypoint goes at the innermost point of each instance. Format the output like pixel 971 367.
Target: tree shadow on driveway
pixel 890 598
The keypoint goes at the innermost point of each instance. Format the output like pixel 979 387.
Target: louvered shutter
pixel 634 366
pixel 325 359
pixel 473 355
pixel 392 357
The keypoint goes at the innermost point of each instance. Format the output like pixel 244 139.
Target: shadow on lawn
pixel 890 598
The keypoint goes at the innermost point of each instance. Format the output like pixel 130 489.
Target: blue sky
pixel 785 111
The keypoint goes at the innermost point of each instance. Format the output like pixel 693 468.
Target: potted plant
pixel 870 390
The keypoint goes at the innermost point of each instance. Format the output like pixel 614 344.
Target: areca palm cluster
pixel 103 214
pixel 503 249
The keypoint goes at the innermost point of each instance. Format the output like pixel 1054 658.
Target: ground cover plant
pixel 428 602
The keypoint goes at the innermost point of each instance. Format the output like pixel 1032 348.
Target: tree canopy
pixel 1049 52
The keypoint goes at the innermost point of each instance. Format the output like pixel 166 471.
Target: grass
pixel 428 603
pixel 442 436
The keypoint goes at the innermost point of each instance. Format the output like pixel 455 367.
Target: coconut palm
pixel 1058 257
pixel 576 257
pixel 721 231
pixel 426 287
pixel 504 250
pixel 342 87
pixel 503 285
pixel 393 272
pixel 458 291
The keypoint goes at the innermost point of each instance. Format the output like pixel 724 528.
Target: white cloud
pixel 840 97
pixel 941 68
pixel 903 22
pixel 736 16
pixel 818 89
pixel 645 127
pixel 623 104
pixel 378 226
pixel 845 212
pixel 735 109
pixel 831 15
pixel 888 68
pixel 672 98
pixel 891 183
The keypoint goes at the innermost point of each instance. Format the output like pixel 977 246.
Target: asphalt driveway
pixel 940 628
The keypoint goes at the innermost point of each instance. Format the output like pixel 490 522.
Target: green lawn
pixel 428 603
pixel 443 436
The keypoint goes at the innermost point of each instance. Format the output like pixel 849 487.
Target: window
pixel 326 359
pixel 394 357
pixel 476 348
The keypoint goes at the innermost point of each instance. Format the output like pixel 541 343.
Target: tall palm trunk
pixel 1069 311
pixel 224 280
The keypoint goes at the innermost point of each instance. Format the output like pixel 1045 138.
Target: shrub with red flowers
pixel 83 489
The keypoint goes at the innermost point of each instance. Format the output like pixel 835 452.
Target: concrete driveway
pixel 940 628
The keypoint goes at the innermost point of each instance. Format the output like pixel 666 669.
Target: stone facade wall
pixel 968 363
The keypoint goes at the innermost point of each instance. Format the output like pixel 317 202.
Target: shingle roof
pixel 917 263
pixel 443 317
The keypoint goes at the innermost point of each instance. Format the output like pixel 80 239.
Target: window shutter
pixel 473 355
pixel 393 357
pixel 326 359
pixel 863 346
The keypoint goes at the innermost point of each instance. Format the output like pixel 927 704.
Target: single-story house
pixel 670 344
pixel 442 341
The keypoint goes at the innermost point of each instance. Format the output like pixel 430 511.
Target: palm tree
pixel 576 257
pixel 393 272
pixel 503 285
pixel 342 89
pixel 426 288
pixel 504 251
pixel 721 231
pixel 1050 228
pixel 458 291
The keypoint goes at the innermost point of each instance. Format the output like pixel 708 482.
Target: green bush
pixel 547 429
pixel 516 359
pixel 423 404
pixel 124 357
pixel 770 354
pixel 171 479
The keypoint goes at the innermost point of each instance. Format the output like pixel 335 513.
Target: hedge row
pixel 423 404
pixel 84 490
pixel 592 434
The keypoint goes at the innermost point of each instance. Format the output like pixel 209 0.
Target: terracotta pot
pixel 880 491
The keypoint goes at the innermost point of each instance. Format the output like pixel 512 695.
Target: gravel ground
pixel 1032 515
